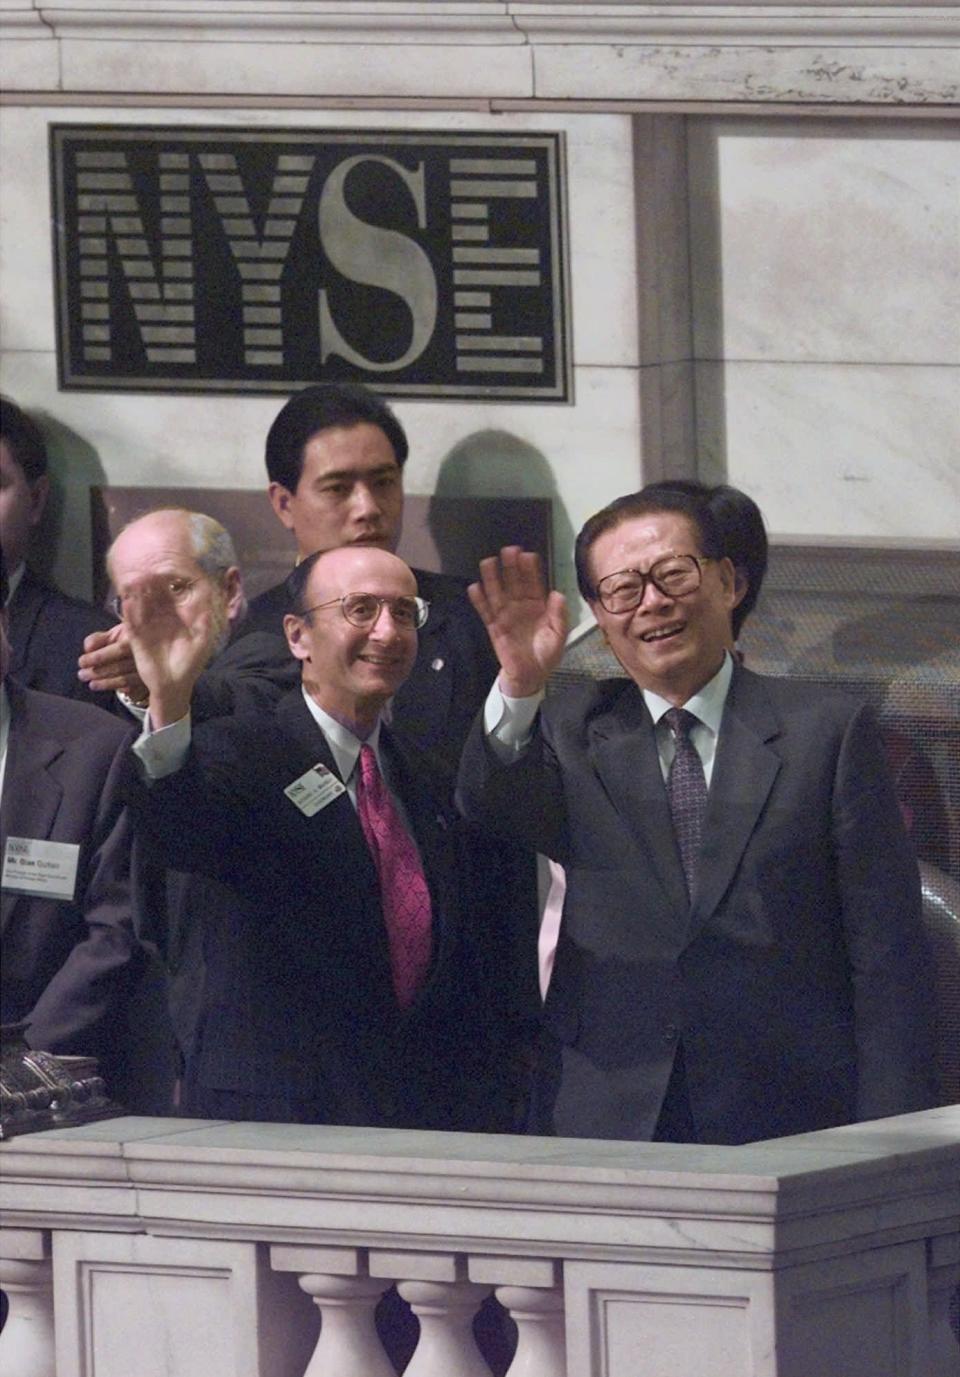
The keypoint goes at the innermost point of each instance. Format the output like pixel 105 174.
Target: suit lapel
pixel 298 725
pixel 624 752
pixel 31 794
pixel 310 748
pixel 743 775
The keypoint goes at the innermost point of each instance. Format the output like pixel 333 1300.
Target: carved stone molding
pixel 882 53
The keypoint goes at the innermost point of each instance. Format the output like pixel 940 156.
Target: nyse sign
pixel 426 264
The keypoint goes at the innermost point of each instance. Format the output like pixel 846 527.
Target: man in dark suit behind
pixel 318 1007
pixel 741 953
pixel 335 455
pixel 46 628
pixel 69 952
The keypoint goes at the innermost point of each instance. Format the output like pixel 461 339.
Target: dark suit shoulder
pixel 256 651
pixel 570 708
pixel 34 590
pixel 243 732
pixel 47 629
pixel 794 697
pixel 254 743
pixel 65 720
pixel 266 611
pixel 443 588
pixel 250 674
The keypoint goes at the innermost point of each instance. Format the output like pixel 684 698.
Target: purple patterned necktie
pixel 403 888
pixel 686 790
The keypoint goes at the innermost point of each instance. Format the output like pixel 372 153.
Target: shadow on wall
pixel 61 549
pixel 494 463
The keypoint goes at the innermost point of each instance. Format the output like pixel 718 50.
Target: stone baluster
pixel 27 1345
pixel 337 1280
pixel 445 1302
pixel 943 1278
pixel 531 1291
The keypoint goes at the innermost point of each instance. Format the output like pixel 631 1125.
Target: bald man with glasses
pixel 357 983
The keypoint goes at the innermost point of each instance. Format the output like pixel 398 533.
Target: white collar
pixel 706 704
pixel 344 745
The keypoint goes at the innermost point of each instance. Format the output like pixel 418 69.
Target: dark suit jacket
pixel 253 671
pixel 454 669
pixel 796 978
pixel 299 1019
pixel 68 965
pixel 46 630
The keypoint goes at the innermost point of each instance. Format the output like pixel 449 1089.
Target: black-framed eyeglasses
pixel 674 576
pixel 179 590
pixel 363 610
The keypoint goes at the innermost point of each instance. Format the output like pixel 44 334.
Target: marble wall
pixel 776 300
pixel 826 289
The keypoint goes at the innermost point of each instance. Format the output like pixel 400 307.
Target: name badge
pixel 314 790
pixel 44 869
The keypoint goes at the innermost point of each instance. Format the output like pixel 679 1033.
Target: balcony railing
pixel 141 1247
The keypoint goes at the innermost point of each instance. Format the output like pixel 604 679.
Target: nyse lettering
pixel 431 266
pixel 381 257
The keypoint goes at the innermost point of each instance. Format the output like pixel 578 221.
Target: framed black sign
pixel 217 260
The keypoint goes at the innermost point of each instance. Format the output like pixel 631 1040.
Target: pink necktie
pixel 403 888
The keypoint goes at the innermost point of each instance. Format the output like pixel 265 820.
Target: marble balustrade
pixel 177 1248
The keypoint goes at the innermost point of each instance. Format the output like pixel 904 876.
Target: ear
pixel 233 592
pixel 281 499
pixel 39 492
pixel 728 582
pixel 740 585
pixel 297 633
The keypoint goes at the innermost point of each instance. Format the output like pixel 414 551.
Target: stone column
pixel 445 1302
pixel 531 1291
pixel 346 1296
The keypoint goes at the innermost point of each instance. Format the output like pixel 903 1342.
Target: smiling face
pixel 350 491
pixel 352 671
pixel 671 645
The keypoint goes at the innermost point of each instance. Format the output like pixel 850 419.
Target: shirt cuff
pixel 508 722
pixel 164 751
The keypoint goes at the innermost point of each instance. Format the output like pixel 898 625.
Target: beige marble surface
pixel 533 1195
pixel 855 450
pixel 836 242
pixel 887 53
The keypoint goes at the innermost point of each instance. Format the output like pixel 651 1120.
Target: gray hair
pixel 212 544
